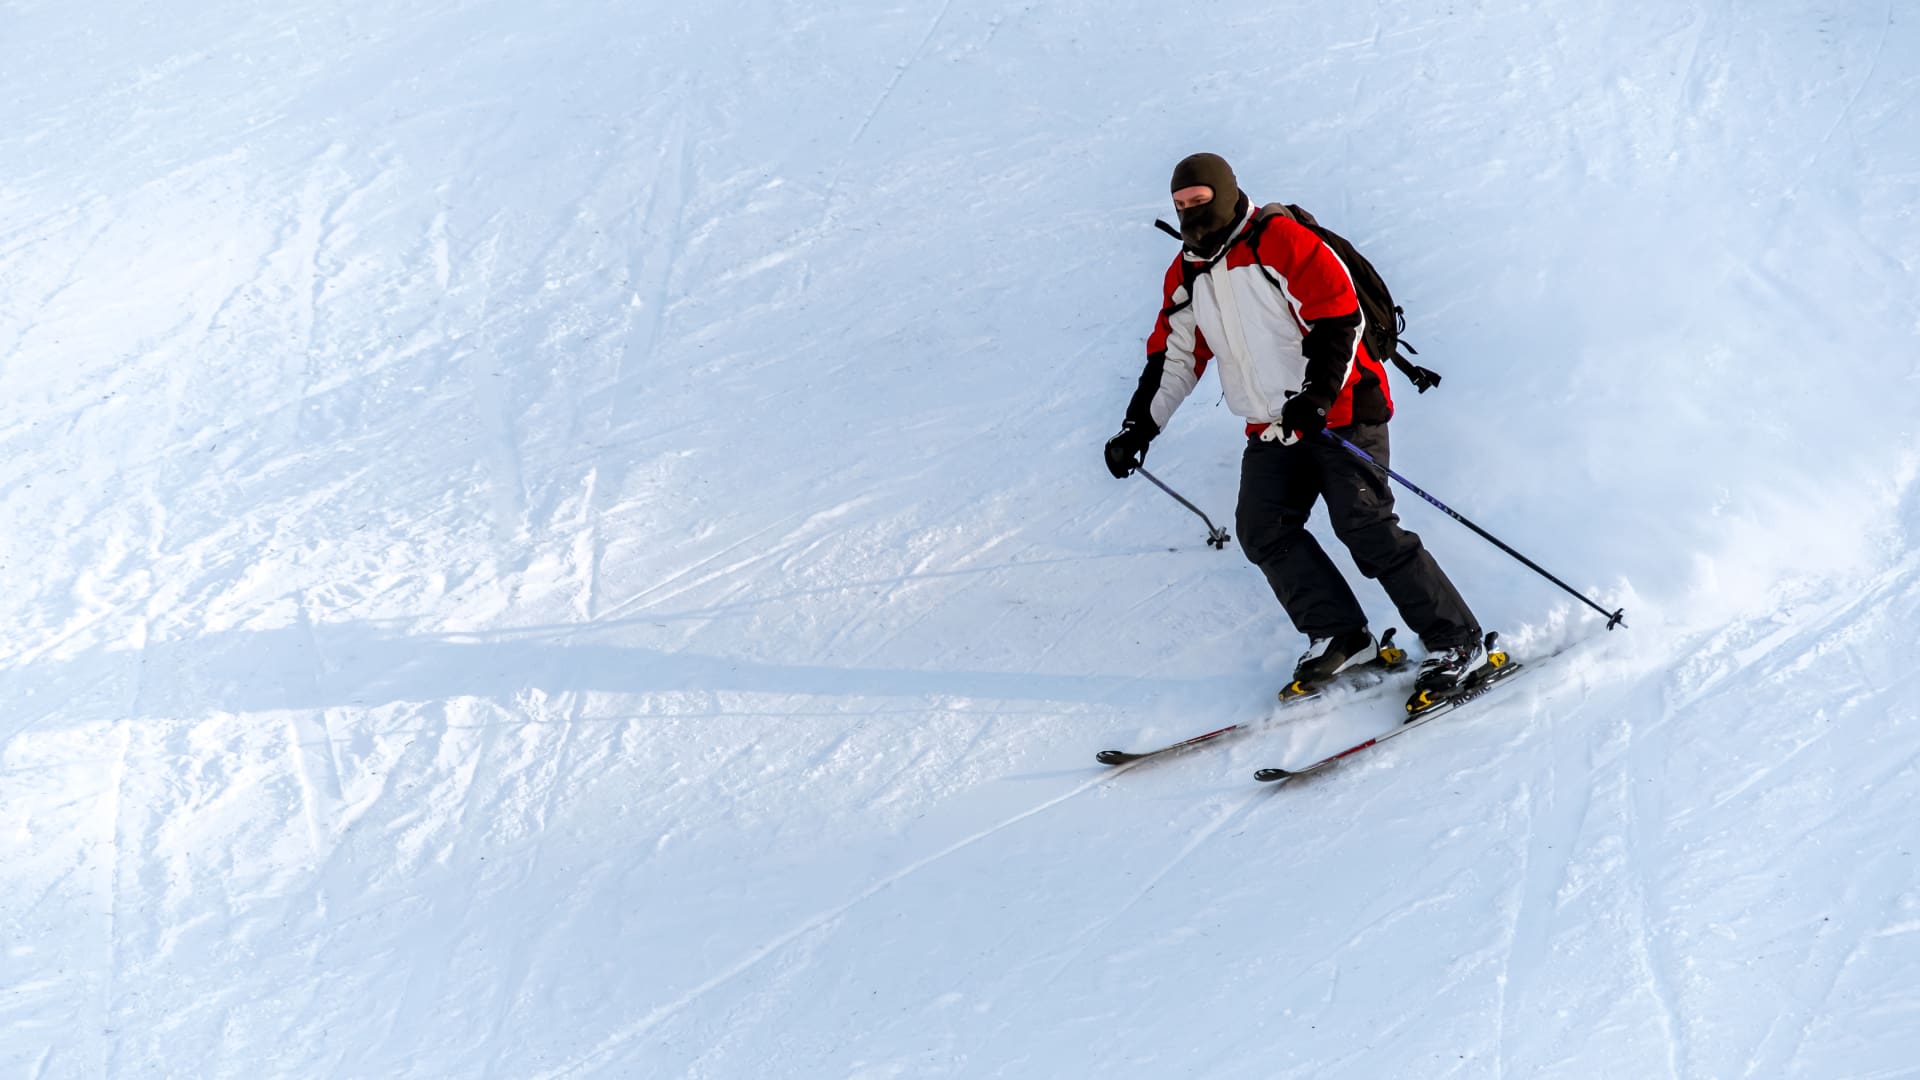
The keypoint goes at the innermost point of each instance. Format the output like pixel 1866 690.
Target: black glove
pixel 1305 414
pixel 1127 451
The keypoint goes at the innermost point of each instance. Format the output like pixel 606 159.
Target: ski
pixel 1128 757
pixel 1498 668
pixel 1386 660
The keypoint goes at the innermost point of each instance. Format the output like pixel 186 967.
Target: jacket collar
pixel 1233 237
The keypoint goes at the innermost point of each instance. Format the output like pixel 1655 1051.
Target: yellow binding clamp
pixel 1389 655
pixel 1496 658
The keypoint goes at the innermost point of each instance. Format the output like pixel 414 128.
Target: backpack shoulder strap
pixel 1261 217
pixel 1187 273
pixel 1422 378
pixel 1252 239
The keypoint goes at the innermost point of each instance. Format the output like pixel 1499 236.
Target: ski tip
pixel 1113 757
pixel 1268 776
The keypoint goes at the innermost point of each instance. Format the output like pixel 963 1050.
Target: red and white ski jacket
pixel 1274 337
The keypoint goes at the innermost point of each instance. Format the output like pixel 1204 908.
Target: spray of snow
pixel 568 539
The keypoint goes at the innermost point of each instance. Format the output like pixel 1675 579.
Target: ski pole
pixel 1216 536
pixel 1614 618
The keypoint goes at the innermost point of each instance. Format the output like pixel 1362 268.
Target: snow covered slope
pixel 568 539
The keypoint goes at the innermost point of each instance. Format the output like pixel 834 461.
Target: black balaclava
pixel 1204 229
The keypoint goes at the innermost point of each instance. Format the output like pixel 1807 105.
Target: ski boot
pixel 1447 674
pixel 1328 659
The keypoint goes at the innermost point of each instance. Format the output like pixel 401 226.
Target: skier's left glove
pixel 1304 415
pixel 1127 451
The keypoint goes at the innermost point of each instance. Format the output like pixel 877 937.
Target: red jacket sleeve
pixel 1321 293
pixel 1177 354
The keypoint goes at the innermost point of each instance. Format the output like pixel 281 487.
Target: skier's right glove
pixel 1304 415
pixel 1127 451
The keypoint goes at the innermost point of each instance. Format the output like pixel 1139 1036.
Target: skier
pixel 1292 362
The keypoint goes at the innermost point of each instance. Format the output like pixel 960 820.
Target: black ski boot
pixel 1328 656
pixel 1444 673
pixel 1356 668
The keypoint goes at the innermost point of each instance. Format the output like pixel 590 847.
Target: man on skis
pixel 1288 343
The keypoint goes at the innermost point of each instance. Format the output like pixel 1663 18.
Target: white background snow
pixel 568 539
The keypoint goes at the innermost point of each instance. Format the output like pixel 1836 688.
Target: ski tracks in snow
pixel 308 731
pixel 1873 66
pixel 119 857
pixel 1639 884
pixel 1555 809
pixel 879 102
pixel 493 408
pixel 609 1048
pixel 1225 812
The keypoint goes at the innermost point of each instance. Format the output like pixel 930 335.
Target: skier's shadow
pixel 366 665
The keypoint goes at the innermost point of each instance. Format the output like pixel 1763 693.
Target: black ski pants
pixel 1278 487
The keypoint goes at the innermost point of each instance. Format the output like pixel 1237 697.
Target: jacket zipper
pixel 1237 341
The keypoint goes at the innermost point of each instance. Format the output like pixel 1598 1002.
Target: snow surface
pixel 568 540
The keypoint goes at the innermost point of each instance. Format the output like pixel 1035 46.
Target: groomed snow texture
pixel 568 539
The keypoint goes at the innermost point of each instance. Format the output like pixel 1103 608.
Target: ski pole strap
pixel 1216 536
pixel 1614 618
